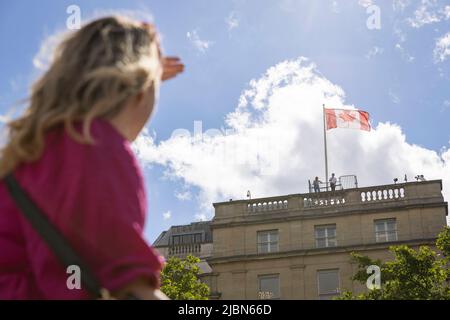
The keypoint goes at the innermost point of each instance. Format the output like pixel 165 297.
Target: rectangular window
pixel 325 236
pixel 385 230
pixel 267 241
pixel 269 286
pixel 198 238
pixel 328 283
pixel 187 238
pixel 176 239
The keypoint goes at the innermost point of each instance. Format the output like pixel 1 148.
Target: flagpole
pixel 325 146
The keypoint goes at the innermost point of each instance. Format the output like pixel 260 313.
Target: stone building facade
pixel 298 246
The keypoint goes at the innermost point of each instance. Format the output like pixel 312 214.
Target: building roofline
pixel 192 223
pixel 397 185
pixel 165 232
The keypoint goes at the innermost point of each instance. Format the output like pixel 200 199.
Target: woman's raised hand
pixel 172 66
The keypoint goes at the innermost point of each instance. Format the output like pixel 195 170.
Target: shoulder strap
pixel 54 239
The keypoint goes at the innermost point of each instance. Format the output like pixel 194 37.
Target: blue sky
pixel 399 73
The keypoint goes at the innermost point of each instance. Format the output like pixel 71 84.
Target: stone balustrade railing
pixel 381 194
pixel 330 199
pixel 327 199
pixel 333 200
pixel 185 249
pixel 268 205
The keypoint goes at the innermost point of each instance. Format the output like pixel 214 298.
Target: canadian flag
pixel 351 119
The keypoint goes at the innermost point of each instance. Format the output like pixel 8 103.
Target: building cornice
pixel 320 212
pixel 317 251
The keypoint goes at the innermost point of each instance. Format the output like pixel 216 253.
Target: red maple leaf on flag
pixel 352 119
pixel 347 117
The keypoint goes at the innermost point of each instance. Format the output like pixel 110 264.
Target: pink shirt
pixel 94 194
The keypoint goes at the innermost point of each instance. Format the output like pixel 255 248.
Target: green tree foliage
pixel 179 279
pixel 413 274
pixel 443 242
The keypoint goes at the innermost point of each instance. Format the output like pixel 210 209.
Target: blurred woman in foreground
pixel 70 151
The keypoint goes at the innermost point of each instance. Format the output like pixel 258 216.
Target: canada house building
pixel 298 246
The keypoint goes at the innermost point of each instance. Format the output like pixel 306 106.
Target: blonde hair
pixel 93 72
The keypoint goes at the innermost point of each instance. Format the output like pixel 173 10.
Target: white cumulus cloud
pixel 167 215
pixel 446 12
pixel 429 12
pixel 272 143
pixel 442 48
pixel 199 44
pixel 445 106
pixel 365 3
pixel 394 97
pixel 335 7
pixel 404 53
pixel 201 217
pixel 374 51
pixel 400 5
pixel 183 195
pixel 232 21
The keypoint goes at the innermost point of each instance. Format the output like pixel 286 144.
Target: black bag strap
pixel 54 239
